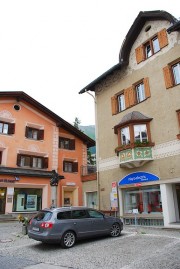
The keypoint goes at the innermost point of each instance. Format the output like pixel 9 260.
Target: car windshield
pixel 43 215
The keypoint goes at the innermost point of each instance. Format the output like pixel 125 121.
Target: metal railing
pixel 88 169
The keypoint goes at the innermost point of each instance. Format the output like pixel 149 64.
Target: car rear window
pixel 43 215
pixel 79 214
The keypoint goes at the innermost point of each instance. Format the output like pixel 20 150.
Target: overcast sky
pixel 52 49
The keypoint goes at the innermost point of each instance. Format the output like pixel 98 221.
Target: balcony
pixel 88 172
pixel 135 157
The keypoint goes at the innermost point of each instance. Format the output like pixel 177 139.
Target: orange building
pixel 41 156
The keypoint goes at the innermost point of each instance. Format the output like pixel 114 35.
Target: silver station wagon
pixel 66 225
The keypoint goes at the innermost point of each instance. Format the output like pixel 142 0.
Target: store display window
pixel 26 200
pixel 146 200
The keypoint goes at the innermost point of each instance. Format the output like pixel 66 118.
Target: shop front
pixel 140 199
pixel 24 191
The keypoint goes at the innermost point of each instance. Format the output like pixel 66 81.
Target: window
pixel 140 93
pixel 64 215
pixel 7 128
pixel 95 214
pixel 70 167
pixel 32 161
pixel 151 46
pixel 66 143
pixel 29 200
pixel 131 96
pixel 140 133
pixel 79 214
pixel 0 157
pixel 146 200
pixel 121 102
pixel 172 74
pixel 33 133
pixel 133 131
pixel 125 136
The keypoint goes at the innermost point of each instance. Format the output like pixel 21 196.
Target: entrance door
pixel 178 198
pixel 91 199
pixel 2 200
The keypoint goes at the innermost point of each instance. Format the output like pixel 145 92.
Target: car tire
pixel 115 230
pixel 68 239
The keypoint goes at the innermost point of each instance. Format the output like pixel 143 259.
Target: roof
pixel 130 38
pixel 22 96
pixel 134 116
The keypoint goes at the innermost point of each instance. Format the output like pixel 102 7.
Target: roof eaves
pixel 90 87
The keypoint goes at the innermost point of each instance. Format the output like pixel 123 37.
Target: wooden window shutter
pixel 40 134
pixel 146 87
pixel 140 55
pixel 18 160
pixel 114 105
pixel 126 97
pixel 11 128
pixel 45 163
pixel 74 167
pixel 132 96
pixel 168 77
pixel 72 144
pixel 162 37
pixel 63 165
pixel 26 131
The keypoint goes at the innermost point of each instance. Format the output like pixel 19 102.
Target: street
pixel 136 248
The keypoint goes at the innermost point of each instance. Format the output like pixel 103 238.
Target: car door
pixel 100 225
pixel 82 223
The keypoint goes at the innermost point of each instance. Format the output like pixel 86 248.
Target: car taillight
pixel 46 225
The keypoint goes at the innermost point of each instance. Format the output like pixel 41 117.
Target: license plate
pixel 35 229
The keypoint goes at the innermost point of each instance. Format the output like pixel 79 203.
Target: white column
pixel 168 204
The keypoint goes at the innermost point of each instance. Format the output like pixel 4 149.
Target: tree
pixel 76 123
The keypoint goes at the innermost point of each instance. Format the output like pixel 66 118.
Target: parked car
pixel 69 224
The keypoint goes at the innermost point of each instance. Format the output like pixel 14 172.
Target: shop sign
pixel 7 180
pixel 70 184
pixel 138 178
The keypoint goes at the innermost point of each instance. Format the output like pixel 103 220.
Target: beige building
pixel 138 125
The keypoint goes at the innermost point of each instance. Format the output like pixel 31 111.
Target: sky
pixel 51 49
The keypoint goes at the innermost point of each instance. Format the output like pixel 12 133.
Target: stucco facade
pixel 36 145
pixel 158 111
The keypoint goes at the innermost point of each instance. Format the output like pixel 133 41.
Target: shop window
pixel 151 46
pixel 146 200
pixel 7 128
pixel 26 200
pixel 131 96
pixel 33 133
pixel 32 161
pixel 172 74
pixel 70 167
pixel 66 143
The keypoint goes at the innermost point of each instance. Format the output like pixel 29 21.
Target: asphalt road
pixel 136 248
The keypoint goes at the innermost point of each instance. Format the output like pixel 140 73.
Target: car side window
pixel 95 214
pixel 79 214
pixel 64 215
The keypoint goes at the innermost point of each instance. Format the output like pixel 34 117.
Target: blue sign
pixel 138 177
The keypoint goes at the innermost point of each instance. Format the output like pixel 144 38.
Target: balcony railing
pixel 87 170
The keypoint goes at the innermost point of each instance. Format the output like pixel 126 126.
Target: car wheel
pixel 68 239
pixel 115 230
